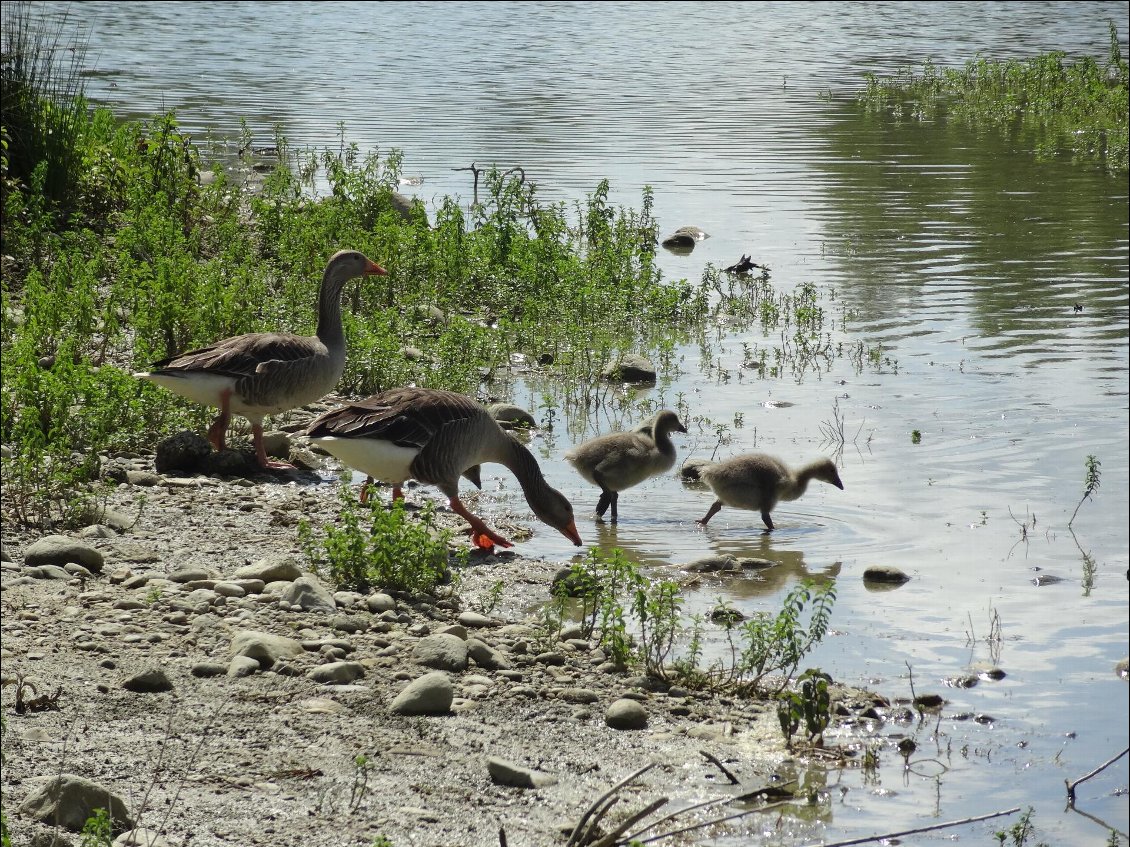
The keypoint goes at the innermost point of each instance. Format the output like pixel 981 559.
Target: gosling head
pixel 825 471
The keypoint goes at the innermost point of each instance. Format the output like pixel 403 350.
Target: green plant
pixel 98 831
pixel 1090 484
pixel 1020 832
pixel 377 547
pixel 492 597
pixel 915 437
pixel 44 114
pixel 361 769
pixel 809 702
pixel 777 644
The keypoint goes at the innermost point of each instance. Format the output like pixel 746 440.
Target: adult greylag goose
pixel 758 482
pixel 620 460
pixel 263 373
pixel 434 437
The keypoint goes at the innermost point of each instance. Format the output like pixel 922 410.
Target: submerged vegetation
pixel 1079 107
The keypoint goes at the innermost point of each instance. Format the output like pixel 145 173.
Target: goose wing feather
pixel 243 355
pixel 403 417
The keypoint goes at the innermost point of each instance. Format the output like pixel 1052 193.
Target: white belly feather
pixel 381 460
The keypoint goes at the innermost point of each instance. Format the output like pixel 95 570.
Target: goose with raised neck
pixel 264 373
pixel 620 460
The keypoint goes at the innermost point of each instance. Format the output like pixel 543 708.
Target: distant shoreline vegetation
pixel 1078 108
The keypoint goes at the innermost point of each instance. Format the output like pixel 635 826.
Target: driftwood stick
pixel 590 830
pixel 635 835
pixel 588 814
pixel 705 824
pixel 733 779
pixel 1098 770
pixel 886 835
pixel 614 836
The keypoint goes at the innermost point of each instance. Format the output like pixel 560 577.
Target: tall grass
pixel 42 109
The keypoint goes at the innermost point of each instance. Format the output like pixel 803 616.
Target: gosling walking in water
pixel 757 482
pixel 620 460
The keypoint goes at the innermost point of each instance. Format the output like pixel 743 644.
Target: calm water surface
pixel 961 255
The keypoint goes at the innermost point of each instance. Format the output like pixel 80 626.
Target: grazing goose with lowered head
pixel 434 437
pixel 757 481
pixel 620 460
pixel 263 373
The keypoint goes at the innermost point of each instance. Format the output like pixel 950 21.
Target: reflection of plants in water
pixel 1091 482
pixel 994 637
pixel 1027 526
pixel 832 431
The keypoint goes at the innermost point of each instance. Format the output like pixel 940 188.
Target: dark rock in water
pixel 887 574
pixel 1046 579
pixel 929 702
pixel 726 615
pixel 630 368
pixel 684 236
pixel 183 453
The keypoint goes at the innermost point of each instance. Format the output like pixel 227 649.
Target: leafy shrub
pixel 377 547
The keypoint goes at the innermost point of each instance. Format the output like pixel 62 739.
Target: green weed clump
pixel 640 622
pixel 1080 107
pixel 372 546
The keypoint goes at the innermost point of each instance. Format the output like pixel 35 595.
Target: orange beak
pixel 571 533
pixel 373 269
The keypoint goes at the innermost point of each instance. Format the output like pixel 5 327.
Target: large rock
pixel 185 453
pixel 61 550
pixel 443 652
pixel 431 694
pixel 308 593
pixel 264 647
pixel 68 801
pixel 271 569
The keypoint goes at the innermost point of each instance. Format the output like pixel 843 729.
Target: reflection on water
pixel 950 266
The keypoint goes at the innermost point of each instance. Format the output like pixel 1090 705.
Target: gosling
pixel 619 460
pixel 758 482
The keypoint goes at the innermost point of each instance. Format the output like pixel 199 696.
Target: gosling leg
pixel 705 519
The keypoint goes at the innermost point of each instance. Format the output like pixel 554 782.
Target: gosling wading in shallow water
pixel 620 460
pixel 264 373
pixel 435 437
pixel 757 481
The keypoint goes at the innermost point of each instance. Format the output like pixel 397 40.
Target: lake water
pixel 961 255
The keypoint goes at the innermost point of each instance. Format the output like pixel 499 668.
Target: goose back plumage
pixel 435 437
